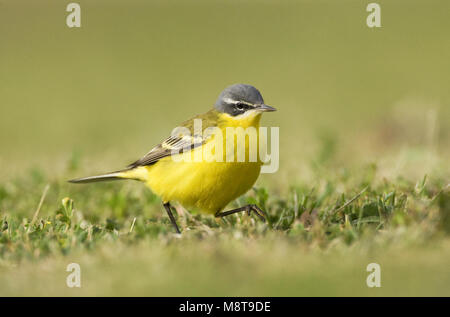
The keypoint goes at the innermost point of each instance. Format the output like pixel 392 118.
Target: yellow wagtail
pixel 208 185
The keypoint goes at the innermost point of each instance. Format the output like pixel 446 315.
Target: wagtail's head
pixel 241 100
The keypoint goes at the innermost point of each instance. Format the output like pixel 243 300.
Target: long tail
pixel 139 173
pixel 100 178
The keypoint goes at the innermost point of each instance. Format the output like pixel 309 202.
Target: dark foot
pixel 248 209
pixel 168 208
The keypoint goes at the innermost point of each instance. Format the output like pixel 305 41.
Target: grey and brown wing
pixel 170 146
pixel 183 139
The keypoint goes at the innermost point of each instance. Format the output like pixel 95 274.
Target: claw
pixel 258 211
pixel 249 208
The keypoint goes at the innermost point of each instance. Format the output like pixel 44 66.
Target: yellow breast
pixel 208 185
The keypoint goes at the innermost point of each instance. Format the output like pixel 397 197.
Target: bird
pixel 204 184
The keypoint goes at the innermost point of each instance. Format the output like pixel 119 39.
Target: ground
pixel 317 241
pixel 364 122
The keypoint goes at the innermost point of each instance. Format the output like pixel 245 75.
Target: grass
pixel 317 240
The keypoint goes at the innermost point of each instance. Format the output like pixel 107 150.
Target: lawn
pixel 364 118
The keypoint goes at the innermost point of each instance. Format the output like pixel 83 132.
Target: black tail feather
pixel 97 178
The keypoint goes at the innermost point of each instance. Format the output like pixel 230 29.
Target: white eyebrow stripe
pixel 234 102
pixel 229 100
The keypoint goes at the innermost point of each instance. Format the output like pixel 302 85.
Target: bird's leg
pixel 248 209
pixel 168 208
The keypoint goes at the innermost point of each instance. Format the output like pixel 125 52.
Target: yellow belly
pixel 207 186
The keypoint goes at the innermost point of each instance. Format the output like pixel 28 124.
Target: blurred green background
pixel 357 106
pixel 115 87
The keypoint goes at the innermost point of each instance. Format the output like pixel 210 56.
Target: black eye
pixel 240 106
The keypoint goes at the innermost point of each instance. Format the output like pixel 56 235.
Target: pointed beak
pixel 265 108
